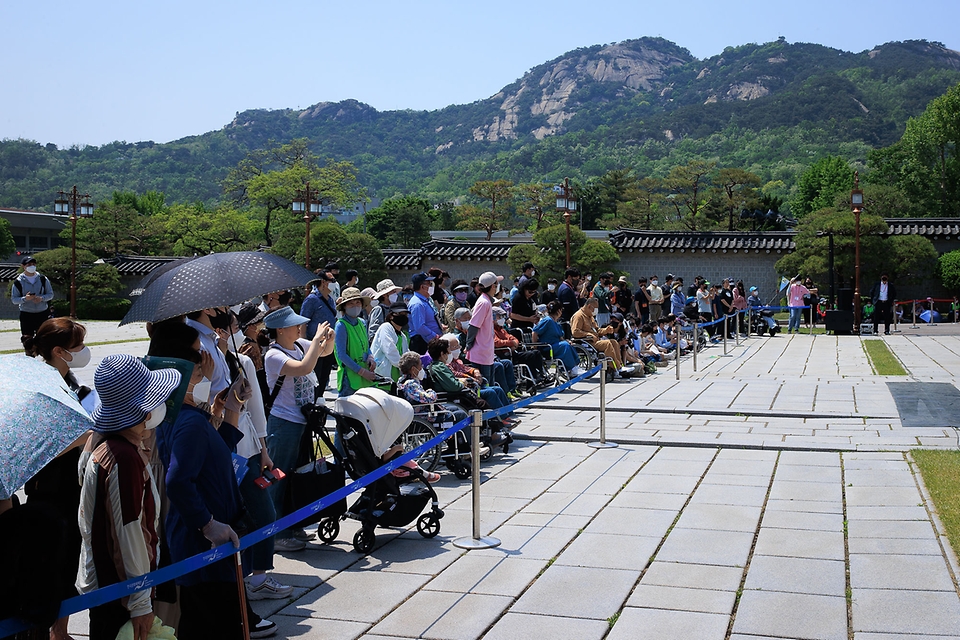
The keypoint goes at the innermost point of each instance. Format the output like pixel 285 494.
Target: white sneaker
pixel 269 589
pixel 577 371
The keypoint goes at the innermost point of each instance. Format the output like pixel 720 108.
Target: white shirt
pixel 384 349
pixel 296 391
pixel 253 422
pixel 883 291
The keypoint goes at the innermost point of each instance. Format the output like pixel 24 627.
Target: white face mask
pixel 421 375
pixel 80 358
pixel 455 354
pixel 392 298
pixel 430 291
pixel 155 417
pixel 653 282
pixel 201 392
pixel 595 310
pixel 30 269
pixel 502 321
pixel 551 287
pixel 238 338
pixel 448 358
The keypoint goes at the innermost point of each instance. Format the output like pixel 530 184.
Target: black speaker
pixel 845 299
pixel 840 322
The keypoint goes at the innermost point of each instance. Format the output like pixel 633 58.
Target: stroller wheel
pixel 328 530
pixel 364 540
pixel 462 471
pixel 428 525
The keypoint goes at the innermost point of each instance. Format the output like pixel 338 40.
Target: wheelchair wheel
pixel 415 435
pixel 428 525
pixel 584 357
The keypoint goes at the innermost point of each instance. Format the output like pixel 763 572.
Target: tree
pixel 641 210
pixel 905 259
pixel 820 185
pixel 498 192
pixel 949 267
pixel 403 222
pixel 329 242
pixel 548 252
pixel 269 178
pixel 738 189
pixel 7 245
pixel 93 280
pixel 924 164
pixel 538 198
pixel 614 189
pixel 197 231
pixel 686 188
pixel 116 228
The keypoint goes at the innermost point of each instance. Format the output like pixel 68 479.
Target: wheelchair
pixel 587 354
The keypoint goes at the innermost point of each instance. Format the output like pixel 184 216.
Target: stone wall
pixel 754 267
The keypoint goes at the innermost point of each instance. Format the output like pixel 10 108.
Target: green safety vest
pixel 357 345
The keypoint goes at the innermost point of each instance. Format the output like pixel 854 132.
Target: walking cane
pixel 242 591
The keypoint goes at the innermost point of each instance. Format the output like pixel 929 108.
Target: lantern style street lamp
pixel 567 204
pixel 74 204
pixel 308 203
pixel 856 203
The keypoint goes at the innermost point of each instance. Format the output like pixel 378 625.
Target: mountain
pixel 772 108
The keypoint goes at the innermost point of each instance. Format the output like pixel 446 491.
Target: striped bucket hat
pixel 128 391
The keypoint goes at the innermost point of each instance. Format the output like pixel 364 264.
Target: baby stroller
pixel 369 423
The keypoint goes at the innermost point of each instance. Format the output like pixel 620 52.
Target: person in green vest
pixel 391 340
pixel 355 364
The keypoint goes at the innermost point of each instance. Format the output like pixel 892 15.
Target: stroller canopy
pixel 384 416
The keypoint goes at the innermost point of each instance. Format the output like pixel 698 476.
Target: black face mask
pixel 401 321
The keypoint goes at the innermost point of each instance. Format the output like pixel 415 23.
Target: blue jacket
pixel 423 319
pixel 319 310
pixel 200 483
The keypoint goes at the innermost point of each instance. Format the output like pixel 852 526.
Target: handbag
pixel 314 480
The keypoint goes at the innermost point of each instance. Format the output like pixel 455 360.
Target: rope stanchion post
pixel 914 325
pixel 476 541
pixel 725 331
pixel 813 318
pixel 677 364
pixel 602 443
pixel 736 328
pixel 749 320
pixel 696 332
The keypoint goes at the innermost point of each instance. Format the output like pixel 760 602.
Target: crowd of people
pixel 159 477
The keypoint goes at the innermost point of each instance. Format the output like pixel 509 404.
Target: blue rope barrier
pixel 119 590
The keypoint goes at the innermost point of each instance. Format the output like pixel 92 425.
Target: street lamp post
pixel 568 205
pixel 856 203
pixel 77 205
pixel 307 202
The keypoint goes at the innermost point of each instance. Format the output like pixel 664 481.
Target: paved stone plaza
pixel 768 495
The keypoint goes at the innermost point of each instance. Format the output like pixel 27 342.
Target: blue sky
pixel 97 71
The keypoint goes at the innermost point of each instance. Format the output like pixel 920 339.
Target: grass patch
pixel 882 360
pixel 941 473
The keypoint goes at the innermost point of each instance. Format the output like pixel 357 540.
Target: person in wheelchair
pixel 445 380
pixel 425 402
pixel 549 331
pixel 508 348
pixel 583 326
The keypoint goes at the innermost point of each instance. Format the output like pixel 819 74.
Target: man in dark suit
pixel 883 294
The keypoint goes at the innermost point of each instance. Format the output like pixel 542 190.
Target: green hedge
pixel 95 309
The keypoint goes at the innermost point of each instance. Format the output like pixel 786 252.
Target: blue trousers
pixel 259 504
pixel 796 313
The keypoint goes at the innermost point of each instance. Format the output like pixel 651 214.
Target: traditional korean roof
pixel 461 250
pixel 396 259
pixel 630 240
pixel 139 265
pixel 929 227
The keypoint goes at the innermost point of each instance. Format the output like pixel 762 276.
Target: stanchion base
pixel 725 355
pixel 603 445
pixel 483 542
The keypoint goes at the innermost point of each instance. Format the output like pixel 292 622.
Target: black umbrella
pixel 156 273
pixel 215 280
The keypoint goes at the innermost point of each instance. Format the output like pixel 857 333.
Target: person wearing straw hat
pixel 119 504
pixel 355 365
pixel 387 294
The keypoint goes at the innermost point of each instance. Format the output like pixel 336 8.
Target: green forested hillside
pixel 771 108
